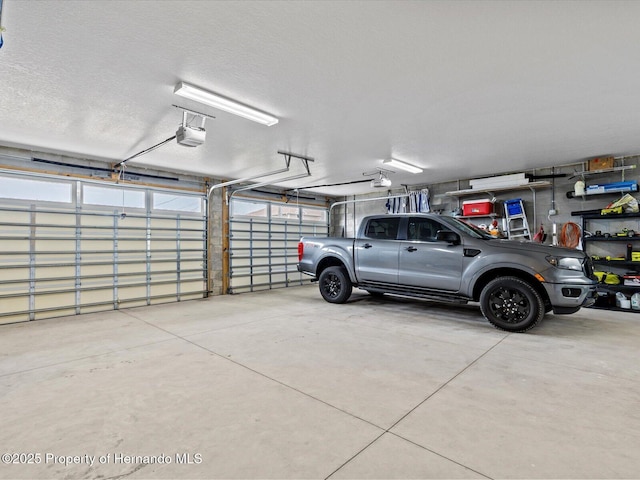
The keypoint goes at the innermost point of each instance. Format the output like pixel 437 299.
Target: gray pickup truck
pixel 446 259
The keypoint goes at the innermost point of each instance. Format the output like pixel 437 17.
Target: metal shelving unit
pixel 606 289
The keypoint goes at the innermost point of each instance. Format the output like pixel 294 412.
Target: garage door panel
pixel 125 292
pixel 19 303
pixel 103 296
pixel 164 244
pixel 91 259
pixel 53 313
pixel 191 263
pixel 137 267
pixel 16 259
pixel 138 302
pixel 17 273
pixel 62 246
pixel 97 226
pixel 53 272
pixel 14 290
pixel 55 300
pixel 190 286
pixel 5 320
pixel 59 283
pixel 75 257
pixel 192 277
pixel 278 278
pixel 92 270
pixel 165 277
pixel 192 243
pixel 55 219
pixel 100 245
pixel 163 267
pixel 194 238
pixel 14 245
pixel 136 221
pixel 190 296
pixel 129 244
pixel 164 290
pixel 264 250
pixel 90 308
pixel 195 262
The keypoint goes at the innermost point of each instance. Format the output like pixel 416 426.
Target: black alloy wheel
pixel 335 285
pixel 512 304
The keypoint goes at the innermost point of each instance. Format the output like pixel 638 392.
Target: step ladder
pixel 517 226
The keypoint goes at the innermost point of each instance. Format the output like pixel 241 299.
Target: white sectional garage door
pixel 263 242
pixel 75 246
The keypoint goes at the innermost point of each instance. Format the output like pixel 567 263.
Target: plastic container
pixel 477 207
pixel 622 301
pixel 612 187
pixel 635 301
pixel 514 206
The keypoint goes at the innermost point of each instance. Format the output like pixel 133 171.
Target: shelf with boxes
pixel 598 166
pixel 613 243
pixel 602 189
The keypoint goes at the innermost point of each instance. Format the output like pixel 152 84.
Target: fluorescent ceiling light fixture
pixel 222 103
pixel 392 162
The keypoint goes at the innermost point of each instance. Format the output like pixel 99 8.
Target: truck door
pixel 376 251
pixel 426 262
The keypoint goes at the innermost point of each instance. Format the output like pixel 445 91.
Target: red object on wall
pixel 476 207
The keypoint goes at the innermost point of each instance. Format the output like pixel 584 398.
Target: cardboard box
pixel 600 163
pixel 476 207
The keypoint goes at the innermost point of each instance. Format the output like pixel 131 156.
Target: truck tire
pixel 511 304
pixel 335 285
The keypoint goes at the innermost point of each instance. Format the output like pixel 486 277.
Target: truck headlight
pixel 568 263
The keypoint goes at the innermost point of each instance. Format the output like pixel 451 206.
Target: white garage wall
pixel 76 246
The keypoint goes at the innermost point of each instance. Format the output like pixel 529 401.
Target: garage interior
pixel 153 323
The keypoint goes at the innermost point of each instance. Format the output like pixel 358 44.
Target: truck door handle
pixel 367 245
pixel 411 249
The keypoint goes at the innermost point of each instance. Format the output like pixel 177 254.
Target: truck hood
pixel 540 248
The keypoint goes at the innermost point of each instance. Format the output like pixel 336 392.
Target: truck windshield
pixel 471 229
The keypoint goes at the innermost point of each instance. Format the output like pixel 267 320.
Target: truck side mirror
pixel 448 236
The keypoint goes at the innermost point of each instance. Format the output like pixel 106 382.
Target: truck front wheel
pixel 511 304
pixel 335 285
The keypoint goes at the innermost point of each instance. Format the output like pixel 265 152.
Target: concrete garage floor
pixel 281 384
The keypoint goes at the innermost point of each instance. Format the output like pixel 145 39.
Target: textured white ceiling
pixel 461 88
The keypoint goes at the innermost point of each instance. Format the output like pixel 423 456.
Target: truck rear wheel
pixel 335 285
pixel 511 304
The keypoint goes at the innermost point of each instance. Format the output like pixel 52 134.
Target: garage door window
pixel 177 203
pixel 35 190
pixel 113 197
